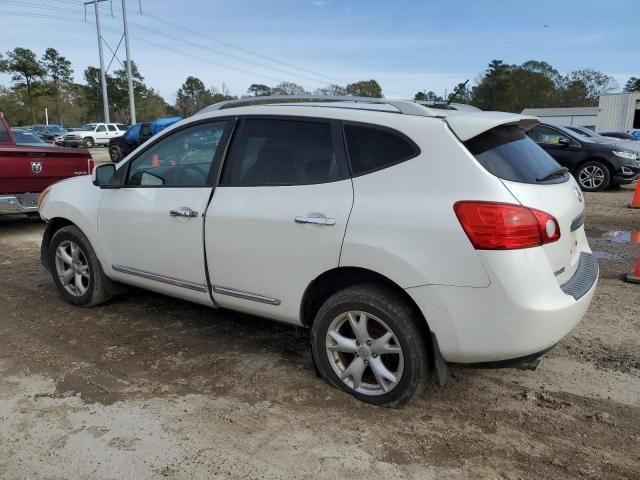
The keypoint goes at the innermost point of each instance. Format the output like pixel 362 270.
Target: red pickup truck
pixel 26 170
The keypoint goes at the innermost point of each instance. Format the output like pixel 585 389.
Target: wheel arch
pixel 596 158
pixel 53 225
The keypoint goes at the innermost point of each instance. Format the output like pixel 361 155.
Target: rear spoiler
pixel 467 125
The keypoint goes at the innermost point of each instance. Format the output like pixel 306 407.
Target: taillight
pixel 90 165
pixel 504 226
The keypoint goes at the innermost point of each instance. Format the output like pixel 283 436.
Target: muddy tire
pixel 76 270
pixel 366 341
pixel 115 153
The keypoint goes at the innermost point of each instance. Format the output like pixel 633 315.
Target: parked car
pixel 93 134
pixel 620 135
pixel 600 138
pixel 136 135
pixel 26 169
pixel 595 164
pixel 48 132
pixel 345 219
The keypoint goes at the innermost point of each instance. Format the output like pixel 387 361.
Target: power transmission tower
pixel 132 103
pixel 103 78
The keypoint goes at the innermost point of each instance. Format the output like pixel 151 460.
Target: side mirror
pixel 564 142
pixel 104 176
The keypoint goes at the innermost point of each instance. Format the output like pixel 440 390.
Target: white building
pixel 582 116
pixel 616 112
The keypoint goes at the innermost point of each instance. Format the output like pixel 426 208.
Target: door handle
pixel 183 212
pixel 316 220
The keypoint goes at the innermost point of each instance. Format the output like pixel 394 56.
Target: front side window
pixel 283 152
pixel 372 148
pixel 182 159
pixel 546 135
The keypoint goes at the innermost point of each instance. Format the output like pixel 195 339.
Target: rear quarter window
pixel 373 148
pixel 508 153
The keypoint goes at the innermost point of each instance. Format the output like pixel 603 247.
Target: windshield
pixel 589 135
pixel 89 126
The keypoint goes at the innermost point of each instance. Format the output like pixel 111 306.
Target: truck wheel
pixel 115 153
pixel 365 341
pixel 76 270
pixel 88 142
pixel 593 176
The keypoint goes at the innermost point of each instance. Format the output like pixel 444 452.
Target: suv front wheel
pixel 366 342
pixel 593 176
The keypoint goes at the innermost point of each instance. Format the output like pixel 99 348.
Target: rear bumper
pixel 25 203
pixel 522 313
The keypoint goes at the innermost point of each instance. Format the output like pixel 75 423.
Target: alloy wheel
pixel 591 177
pixel 72 268
pixel 364 353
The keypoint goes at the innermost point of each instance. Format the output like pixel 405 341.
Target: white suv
pixel 93 134
pixel 407 239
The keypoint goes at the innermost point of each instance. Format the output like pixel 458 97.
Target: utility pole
pixel 132 103
pixel 103 79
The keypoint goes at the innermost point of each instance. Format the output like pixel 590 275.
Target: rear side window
pixel 283 152
pixel 508 153
pixel 372 148
pixel 112 128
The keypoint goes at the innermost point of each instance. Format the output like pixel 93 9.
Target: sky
pixel 407 46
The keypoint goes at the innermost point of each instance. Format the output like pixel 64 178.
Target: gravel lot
pixel 151 387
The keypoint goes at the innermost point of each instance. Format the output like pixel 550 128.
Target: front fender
pixel 73 201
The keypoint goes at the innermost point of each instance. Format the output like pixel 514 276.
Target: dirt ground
pixel 151 387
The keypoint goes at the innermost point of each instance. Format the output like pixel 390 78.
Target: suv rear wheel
pixel 75 269
pixel 365 341
pixel 593 176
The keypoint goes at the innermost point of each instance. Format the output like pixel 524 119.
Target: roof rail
pixel 405 107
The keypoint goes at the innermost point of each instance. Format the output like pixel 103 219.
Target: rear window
pixel 373 148
pixel 508 153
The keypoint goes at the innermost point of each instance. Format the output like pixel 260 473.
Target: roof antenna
pixel 461 87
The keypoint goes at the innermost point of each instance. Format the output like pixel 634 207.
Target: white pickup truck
pixel 94 134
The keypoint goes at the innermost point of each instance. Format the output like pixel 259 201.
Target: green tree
pixel 429 96
pixel 192 96
pixel 365 88
pixel 59 70
pixel 494 91
pixel 583 88
pixel 632 85
pixel 259 90
pixel 24 67
pixel 288 88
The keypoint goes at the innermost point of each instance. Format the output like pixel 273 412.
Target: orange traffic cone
pixel 635 276
pixel 635 238
pixel 635 202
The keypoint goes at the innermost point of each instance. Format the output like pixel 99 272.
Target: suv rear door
pixel 278 215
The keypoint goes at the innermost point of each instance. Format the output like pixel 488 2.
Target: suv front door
pixel 560 146
pixel 278 215
pixel 150 228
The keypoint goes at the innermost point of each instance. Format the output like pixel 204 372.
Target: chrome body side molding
pixel 198 287
pixel 246 295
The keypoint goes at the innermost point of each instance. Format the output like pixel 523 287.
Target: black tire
pixel 88 142
pixel 115 153
pixel 97 285
pixel 400 319
pixel 593 176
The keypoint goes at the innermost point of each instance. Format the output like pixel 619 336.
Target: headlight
pixel 627 155
pixel 42 196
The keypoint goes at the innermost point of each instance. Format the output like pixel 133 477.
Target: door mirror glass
pixel 104 176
